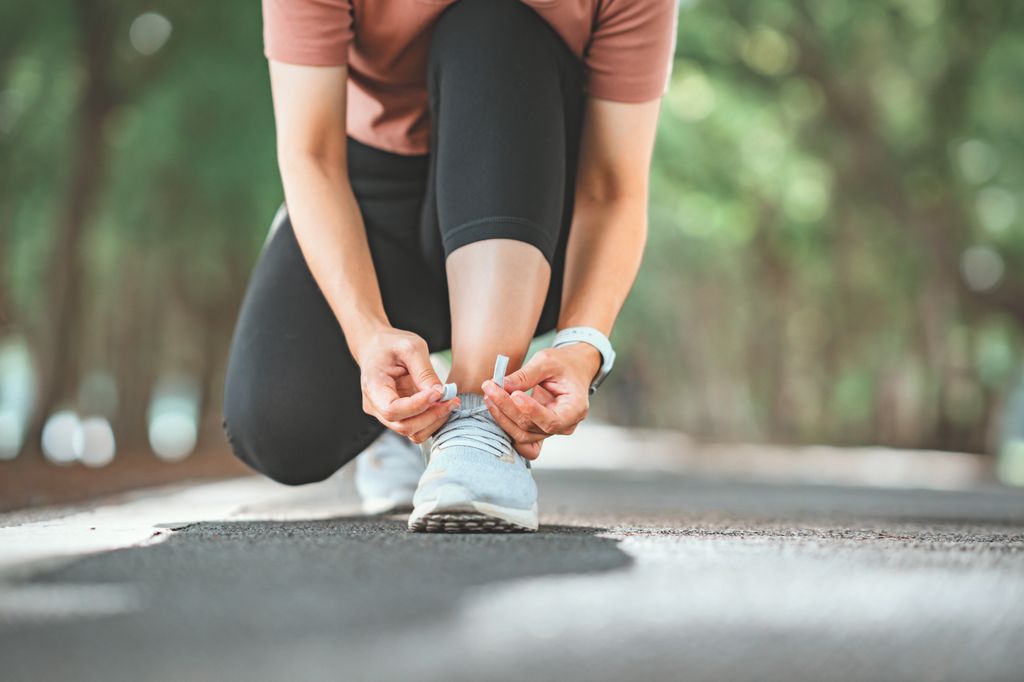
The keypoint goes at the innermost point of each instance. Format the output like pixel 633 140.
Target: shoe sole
pixel 472 517
pixel 375 506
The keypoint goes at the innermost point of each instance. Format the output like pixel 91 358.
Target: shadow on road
pixel 222 590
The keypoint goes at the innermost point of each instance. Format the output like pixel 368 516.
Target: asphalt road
pixel 632 577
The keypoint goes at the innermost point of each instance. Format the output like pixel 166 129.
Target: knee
pixel 274 439
pixel 483 32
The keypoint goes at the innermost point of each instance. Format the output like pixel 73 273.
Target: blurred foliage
pixel 837 232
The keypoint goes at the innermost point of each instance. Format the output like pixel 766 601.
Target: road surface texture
pixel 631 577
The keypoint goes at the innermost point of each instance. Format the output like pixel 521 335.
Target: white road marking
pixel 146 517
pixel 150 516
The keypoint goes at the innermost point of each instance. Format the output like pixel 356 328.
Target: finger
pixel 529 375
pixel 416 359
pixel 571 409
pixel 428 421
pixel 429 430
pixel 379 390
pixel 403 408
pixel 529 451
pixel 543 396
pixel 546 419
pixel 507 406
pixel 404 385
pixel 513 430
pixel 408 427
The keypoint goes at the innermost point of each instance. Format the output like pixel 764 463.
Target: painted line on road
pixel 147 517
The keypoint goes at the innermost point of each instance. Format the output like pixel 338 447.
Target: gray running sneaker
pixel 475 480
pixel 387 473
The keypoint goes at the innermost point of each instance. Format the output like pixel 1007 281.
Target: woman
pixel 459 175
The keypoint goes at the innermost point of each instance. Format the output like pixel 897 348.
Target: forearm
pixel 604 253
pixel 329 228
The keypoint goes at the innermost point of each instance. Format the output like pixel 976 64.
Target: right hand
pixel 400 387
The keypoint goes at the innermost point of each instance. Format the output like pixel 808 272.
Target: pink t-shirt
pixel 626 47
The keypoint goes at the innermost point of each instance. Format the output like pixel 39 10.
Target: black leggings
pixel 506 106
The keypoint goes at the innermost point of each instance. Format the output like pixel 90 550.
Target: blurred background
pixel 837 233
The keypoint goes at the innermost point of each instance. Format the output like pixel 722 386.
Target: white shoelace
pixel 473 426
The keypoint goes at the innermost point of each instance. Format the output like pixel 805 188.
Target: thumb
pixel 417 363
pixel 527 376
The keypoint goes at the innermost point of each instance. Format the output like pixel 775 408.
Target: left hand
pixel 560 379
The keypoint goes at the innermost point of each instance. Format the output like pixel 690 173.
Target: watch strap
pixel 595 338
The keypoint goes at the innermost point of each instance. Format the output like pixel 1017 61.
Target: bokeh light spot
pixel 93 442
pixel 692 98
pixel 149 32
pixel 58 437
pixel 10 434
pixel 978 161
pixel 172 436
pixel 996 208
pixel 769 52
pixel 982 267
pixel 174 418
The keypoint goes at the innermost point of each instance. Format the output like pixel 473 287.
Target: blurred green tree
pixel 836 221
pixel 836 213
pixel 140 164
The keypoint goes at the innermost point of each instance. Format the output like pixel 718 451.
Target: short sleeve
pixel 307 32
pixel 629 58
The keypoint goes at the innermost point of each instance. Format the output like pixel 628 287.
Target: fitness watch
pixel 596 339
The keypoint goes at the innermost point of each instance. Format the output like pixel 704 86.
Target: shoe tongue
pixel 471 402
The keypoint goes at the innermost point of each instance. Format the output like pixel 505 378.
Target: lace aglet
pixel 450 391
pixel 500 367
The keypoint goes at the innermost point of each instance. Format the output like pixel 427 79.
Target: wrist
pixel 601 323
pixel 360 333
pixel 586 357
pixel 595 339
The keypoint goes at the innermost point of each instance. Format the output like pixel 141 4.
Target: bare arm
pixel 609 225
pixel 399 385
pixel 309 110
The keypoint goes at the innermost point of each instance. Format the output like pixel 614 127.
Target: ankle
pixel 472 381
pixel 468 382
